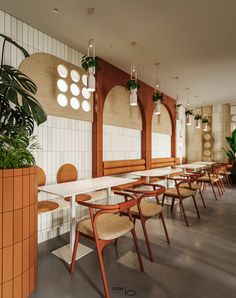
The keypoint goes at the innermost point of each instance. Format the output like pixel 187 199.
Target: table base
pixel 64 252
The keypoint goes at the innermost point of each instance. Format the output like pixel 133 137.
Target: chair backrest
pixel 41 176
pixel 67 173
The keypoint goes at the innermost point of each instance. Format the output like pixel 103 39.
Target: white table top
pixel 191 166
pixel 160 172
pixel 207 163
pixel 84 186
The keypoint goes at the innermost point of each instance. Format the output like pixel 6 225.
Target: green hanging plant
pixel 198 117
pixel 157 96
pixel 189 113
pixel 178 105
pixel 205 120
pixel 90 62
pixel 132 84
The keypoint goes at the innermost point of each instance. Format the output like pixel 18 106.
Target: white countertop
pixel 84 186
pixel 160 172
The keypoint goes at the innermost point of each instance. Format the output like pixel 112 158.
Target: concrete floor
pixel 200 261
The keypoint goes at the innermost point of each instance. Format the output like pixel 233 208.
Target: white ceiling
pixel 192 39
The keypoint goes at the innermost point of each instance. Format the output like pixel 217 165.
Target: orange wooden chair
pixel 180 193
pixel 67 173
pixel 44 206
pixel 145 210
pixel 103 227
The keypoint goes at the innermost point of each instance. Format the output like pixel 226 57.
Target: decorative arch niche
pixel 122 126
pixel 161 134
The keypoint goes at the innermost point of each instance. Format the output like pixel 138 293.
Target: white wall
pixel 161 145
pixel 121 143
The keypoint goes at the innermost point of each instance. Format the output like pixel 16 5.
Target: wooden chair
pixel 180 193
pixel 44 206
pixel 68 173
pixel 145 210
pixel 226 174
pixel 103 227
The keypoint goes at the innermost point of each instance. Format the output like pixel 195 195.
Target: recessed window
pixel 86 94
pixel 74 102
pixel 62 71
pixel 62 85
pixel 84 79
pixel 75 76
pixel 74 89
pixel 62 100
pixel 86 106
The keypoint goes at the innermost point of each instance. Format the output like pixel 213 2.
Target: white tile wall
pixel 161 145
pixel 121 143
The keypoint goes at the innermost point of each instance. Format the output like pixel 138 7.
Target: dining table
pixel 71 189
pixel 191 166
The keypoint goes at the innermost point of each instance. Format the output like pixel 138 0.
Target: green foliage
pixel 189 112
pixel 231 153
pixel 205 120
pixel 198 117
pixel 90 62
pixel 157 96
pixel 132 84
pixel 178 105
pixel 16 150
pixel 17 97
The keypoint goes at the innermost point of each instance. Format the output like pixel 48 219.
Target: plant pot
pixel 18 240
pixel 157 109
pixel 91 82
pixel 133 97
pixel 233 174
pixel 188 120
pixel 198 123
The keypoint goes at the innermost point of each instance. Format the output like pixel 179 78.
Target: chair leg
pixel 219 188
pixel 194 200
pixel 164 226
pixel 230 180
pixel 185 217
pixel 137 250
pixel 212 186
pixel 227 180
pixel 163 199
pixel 74 252
pixel 104 278
pixel 172 205
pixel 146 238
pixel 222 183
pixel 203 202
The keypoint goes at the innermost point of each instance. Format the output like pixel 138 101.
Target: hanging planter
pixel 133 86
pixel 157 99
pixel 205 122
pixel 178 114
pixel 90 65
pixel 198 118
pixel 189 114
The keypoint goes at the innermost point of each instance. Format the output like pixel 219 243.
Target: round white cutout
pixel 86 94
pixel 74 89
pixel 62 100
pixel 84 79
pixel 74 102
pixel 75 76
pixel 62 71
pixel 62 85
pixel 86 106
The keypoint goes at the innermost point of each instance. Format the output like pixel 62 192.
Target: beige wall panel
pixel 42 69
pixel 162 123
pixel 118 112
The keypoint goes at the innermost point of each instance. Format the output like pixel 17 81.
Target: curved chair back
pixel 41 177
pixel 67 173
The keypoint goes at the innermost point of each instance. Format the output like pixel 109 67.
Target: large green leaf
pixel 26 54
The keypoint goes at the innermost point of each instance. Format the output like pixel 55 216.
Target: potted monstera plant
pixel 231 154
pixel 188 114
pixel 19 111
pixel 198 118
pixel 133 86
pixel 90 64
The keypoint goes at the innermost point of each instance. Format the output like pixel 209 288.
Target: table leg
pixel 147 179
pixel 108 195
pixel 72 222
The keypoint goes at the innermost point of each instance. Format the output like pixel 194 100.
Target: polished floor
pixel 200 261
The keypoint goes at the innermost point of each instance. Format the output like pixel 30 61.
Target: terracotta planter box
pixel 18 232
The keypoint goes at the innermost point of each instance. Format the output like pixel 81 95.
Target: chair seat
pixel 80 198
pixel 192 186
pixel 225 173
pixel 207 179
pixel 109 226
pixel 148 209
pixel 45 206
pixel 185 193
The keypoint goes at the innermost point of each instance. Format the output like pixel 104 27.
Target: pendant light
pixel 157 96
pixel 133 78
pixel 198 119
pixel 188 115
pixel 177 99
pixel 205 122
pixel 91 82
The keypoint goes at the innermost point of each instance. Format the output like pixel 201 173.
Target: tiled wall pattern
pixel 161 145
pixel 181 134
pixel 121 143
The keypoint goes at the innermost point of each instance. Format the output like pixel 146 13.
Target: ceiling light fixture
pixel 55 10
pixel 178 104
pixel 132 83
pixel 157 96
pixel 188 112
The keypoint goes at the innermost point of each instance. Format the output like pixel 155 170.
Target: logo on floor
pixel 124 291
